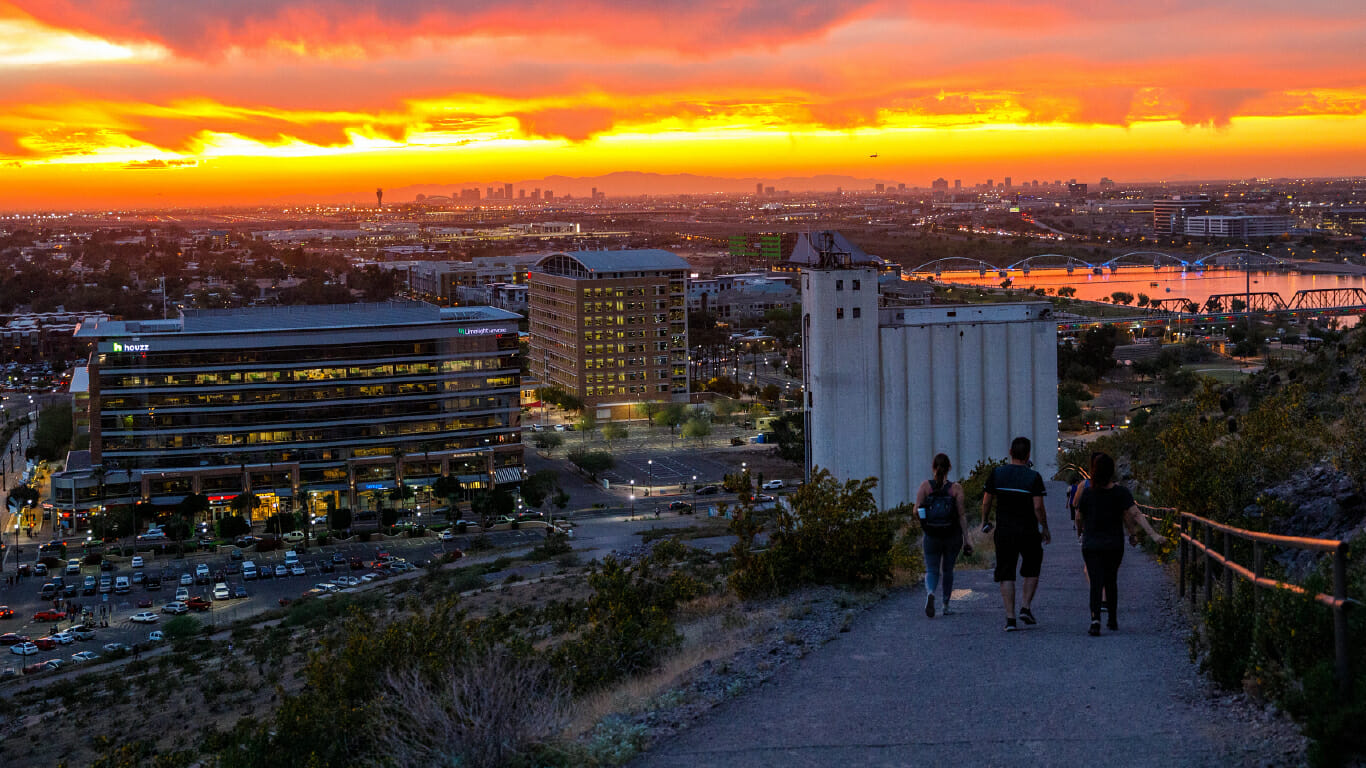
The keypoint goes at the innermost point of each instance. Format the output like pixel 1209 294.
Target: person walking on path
pixel 1021 528
pixel 944 522
pixel 1106 510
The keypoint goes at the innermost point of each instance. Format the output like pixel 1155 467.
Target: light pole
pixel 694 493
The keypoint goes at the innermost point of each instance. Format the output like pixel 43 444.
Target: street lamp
pixel 694 493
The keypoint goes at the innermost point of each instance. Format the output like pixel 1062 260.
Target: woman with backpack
pixel 944 522
pixel 1105 510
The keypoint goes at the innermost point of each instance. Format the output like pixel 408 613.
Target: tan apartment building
pixel 611 327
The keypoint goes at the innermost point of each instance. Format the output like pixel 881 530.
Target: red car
pixel 49 615
pixel 45 643
pixel 198 603
pixel 6 612
pixel 9 638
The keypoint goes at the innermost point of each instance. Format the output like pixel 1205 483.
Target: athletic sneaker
pixel 1094 631
pixel 929 605
pixel 1113 625
pixel 1027 616
pixel 1010 625
pixel 946 610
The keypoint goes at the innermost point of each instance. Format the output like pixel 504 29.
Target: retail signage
pixel 482 331
pixel 120 347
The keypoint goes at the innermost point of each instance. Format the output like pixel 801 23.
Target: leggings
pixel 941 552
pixel 1102 567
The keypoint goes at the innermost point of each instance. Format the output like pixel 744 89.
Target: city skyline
pixel 147 103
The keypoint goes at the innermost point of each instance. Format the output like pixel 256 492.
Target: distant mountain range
pixel 619 184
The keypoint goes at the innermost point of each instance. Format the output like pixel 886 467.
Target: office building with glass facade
pixel 309 408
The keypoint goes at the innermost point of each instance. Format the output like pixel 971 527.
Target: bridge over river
pixel 900 689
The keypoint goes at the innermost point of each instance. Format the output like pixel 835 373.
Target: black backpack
pixel 941 510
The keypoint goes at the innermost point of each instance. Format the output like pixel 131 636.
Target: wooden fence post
pixel 1209 574
pixel 1340 616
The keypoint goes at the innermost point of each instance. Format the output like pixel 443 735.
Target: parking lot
pixel 649 468
pixel 262 593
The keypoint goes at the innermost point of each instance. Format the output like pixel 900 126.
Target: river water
pixel 1164 283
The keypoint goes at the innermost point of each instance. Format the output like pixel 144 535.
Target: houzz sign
pixel 119 347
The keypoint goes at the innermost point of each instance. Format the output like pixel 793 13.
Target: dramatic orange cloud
pixel 245 100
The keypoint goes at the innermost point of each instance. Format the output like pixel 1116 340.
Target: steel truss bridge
pixel 1305 304
pixel 1233 258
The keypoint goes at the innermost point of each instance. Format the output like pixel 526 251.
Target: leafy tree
pixel 488 506
pixel 388 516
pixel 547 441
pixel 402 493
pixel 586 423
pixel 671 416
pixel 592 462
pixel 770 393
pixel 613 431
pixel 245 503
pixel 540 486
pixel 193 506
pixel 1122 297
pixel 697 427
pixel 182 627
pixel 790 434
pixel 281 523
pixel 1067 292
pixel 339 519
pixel 52 436
pixel 446 487
pixel 232 526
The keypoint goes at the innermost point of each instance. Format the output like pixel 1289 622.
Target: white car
pixel 220 591
pixel 24 649
pixel 73 566
pixel 84 656
pixel 201 572
pixel 155 636
pixel 448 535
pixel 297 570
pixel 137 561
pixel 144 617
pixel 346 581
pixel 327 587
pixel 176 608
pixel 116 647
pixel 281 571
pixel 182 594
pixel 64 638
pixel 772 485
pixel 186 580
pixel 293 537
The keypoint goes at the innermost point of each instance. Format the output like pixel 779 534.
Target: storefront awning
pixel 507 475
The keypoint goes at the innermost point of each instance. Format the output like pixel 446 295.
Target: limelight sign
pixel 482 331
pixel 121 347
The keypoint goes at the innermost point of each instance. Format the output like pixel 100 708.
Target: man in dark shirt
pixel 1021 528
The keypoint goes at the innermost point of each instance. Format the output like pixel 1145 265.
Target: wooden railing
pixel 1198 539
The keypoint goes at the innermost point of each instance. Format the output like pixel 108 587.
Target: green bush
pixel 182 627
pixel 832 534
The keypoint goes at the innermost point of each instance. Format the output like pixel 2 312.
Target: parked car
pixel 11 638
pixel 772 485
pixel 106 585
pixel 155 636
pixel 220 591
pixel 186 580
pixel 236 553
pixel 89 586
pixel 143 617
pixel 49 615
pixel 297 570
pixel 154 581
pixel 137 561
pixel 139 577
pixel 293 537
pixel 24 649
pixel 73 566
pixel 122 585
pixel 53 664
pixel 245 541
pixel 64 638
pixel 201 574
pixel 82 632
pixel 175 608
pixel 681 507
pixel 6 612
pixel 106 565
pixel 708 490
pixel 198 603
pixel 145 602
pixel 71 590
pixel 281 571
pixel 239 591
pixel 84 656
pixel 40 569
pixel 327 566
pixel 45 643
pixel 116 648
pixel 182 594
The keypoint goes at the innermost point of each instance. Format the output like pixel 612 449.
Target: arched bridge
pixel 1231 258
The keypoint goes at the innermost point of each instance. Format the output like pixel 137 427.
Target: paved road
pixel 901 689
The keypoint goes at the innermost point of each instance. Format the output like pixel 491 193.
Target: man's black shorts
pixel 1028 551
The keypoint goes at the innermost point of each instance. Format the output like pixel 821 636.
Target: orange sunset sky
pixel 129 103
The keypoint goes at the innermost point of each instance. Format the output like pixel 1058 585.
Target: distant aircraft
pixel 873 155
